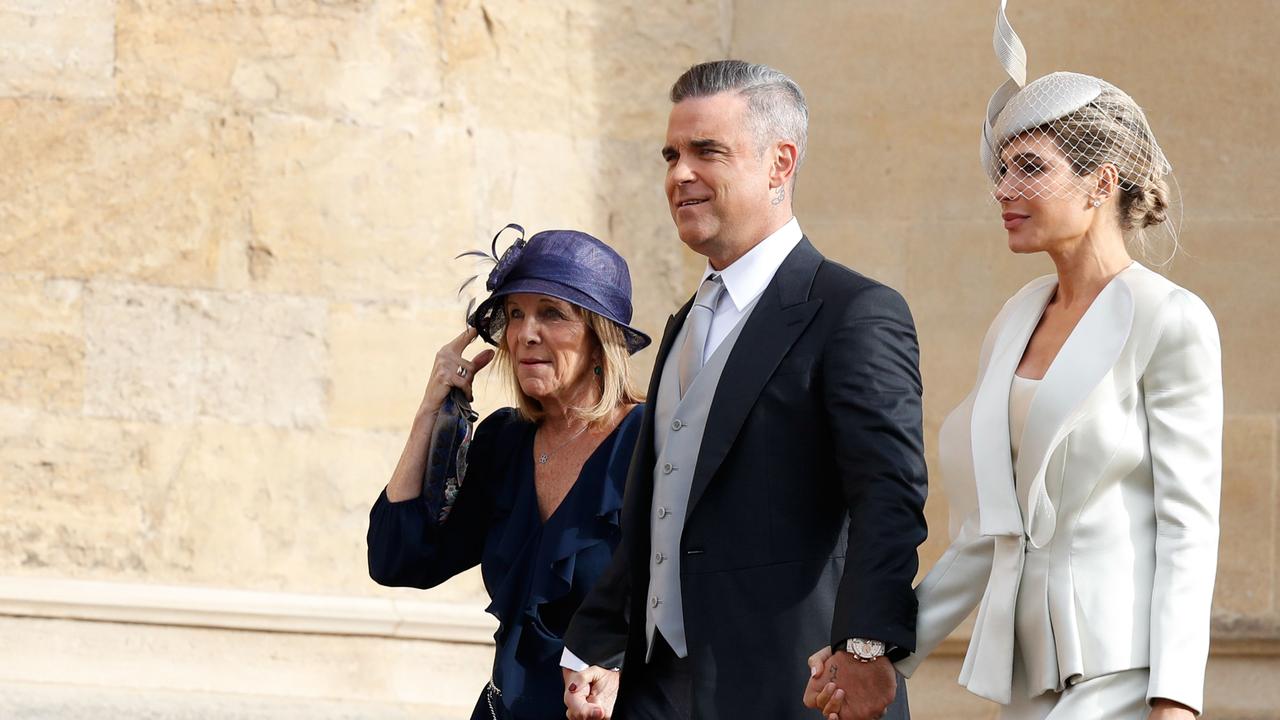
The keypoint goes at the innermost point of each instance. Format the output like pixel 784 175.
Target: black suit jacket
pixel 806 505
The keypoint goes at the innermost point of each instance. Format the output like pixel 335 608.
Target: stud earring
pixel 599 370
pixel 1097 203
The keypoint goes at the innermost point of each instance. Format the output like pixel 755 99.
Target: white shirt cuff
pixel 572 662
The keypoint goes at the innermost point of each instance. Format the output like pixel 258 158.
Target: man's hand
pixel 590 694
pixel 851 689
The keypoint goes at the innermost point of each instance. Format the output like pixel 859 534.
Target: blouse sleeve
pixel 1182 389
pixel 409 548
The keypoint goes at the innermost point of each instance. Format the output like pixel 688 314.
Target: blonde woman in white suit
pixel 1084 467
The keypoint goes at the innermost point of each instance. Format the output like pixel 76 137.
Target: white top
pixel 1021 392
pixel 746 279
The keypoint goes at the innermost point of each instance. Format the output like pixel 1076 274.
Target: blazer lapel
pixel 989 430
pixel 1087 356
pixel 781 314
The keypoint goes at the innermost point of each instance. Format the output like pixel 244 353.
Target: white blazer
pixel 1117 481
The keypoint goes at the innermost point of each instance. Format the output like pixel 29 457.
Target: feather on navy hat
pixel 565 264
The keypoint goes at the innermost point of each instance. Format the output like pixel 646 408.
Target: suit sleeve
pixel 873 399
pixel 408 548
pixel 1182 389
pixel 951 590
pixel 598 632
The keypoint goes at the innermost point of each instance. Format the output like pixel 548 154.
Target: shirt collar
pixel 750 274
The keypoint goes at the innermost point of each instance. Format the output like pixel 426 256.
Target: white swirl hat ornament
pixel 1031 116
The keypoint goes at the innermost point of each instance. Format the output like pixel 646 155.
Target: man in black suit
pixel 792 522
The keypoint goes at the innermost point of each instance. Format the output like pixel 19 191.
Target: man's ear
pixel 785 158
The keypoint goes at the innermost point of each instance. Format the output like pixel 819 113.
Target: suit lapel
pixel 1087 356
pixel 781 314
pixel 989 430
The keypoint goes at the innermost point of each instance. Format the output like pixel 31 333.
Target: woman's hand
pixel 590 694
pixel 1162 709
pixel 451 370
pixel 817 684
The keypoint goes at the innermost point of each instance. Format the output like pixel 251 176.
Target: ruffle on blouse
pixel 559 542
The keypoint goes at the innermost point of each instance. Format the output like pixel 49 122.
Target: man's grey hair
pixel 774 101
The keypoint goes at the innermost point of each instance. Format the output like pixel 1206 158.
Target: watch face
pixel 869 649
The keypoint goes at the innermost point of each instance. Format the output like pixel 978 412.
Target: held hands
pixel 590 694
pixel 452 370
pixel 844 688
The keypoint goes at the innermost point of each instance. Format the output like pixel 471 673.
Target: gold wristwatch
pixel 864 650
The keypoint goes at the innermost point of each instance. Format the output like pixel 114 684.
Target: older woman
pixel 539 505
pixel 1084 468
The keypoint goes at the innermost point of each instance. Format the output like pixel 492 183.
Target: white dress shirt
pixel 744 281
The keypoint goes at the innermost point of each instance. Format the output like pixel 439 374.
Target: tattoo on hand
pixel 833 672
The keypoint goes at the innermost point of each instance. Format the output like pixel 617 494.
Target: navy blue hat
pixel 564 264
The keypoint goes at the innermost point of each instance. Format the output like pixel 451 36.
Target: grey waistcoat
pixel 678 425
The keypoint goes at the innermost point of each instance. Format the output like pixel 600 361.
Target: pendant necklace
pixel 543 457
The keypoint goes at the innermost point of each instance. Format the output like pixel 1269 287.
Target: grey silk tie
pixel 699 321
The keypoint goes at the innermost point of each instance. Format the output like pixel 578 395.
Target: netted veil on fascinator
pixel 1085 118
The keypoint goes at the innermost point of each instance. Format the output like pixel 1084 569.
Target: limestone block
pixel 73 702
pixel 57 48
pixel 875 249
pixel 121 190
pixel 41 342
pixel 600 68
pixel 267 508
pixel 282 666
pixel 363 62
pixel 541 180
pixel 382 356
pixel 207 504
pixel 84 497
pixel 894 121
pixel 361 213
pixel 1247 579
pixel 511 65
pixel 1220 158
pixel 175 355
pixel 635 51
pixel 290 510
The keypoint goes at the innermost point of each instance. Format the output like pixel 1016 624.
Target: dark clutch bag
pixel 447 455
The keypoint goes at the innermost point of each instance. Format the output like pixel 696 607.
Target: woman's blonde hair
pixel 613 374
pixel 1114 129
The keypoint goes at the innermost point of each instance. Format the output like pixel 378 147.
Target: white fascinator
pixel 1064 117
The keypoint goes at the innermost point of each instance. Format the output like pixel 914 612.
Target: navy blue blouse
pixel 536 573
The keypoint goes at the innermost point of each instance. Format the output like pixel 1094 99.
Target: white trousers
pixel 1118 696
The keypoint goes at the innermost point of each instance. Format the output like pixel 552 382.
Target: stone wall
pixel 225 232
pixel 225 242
